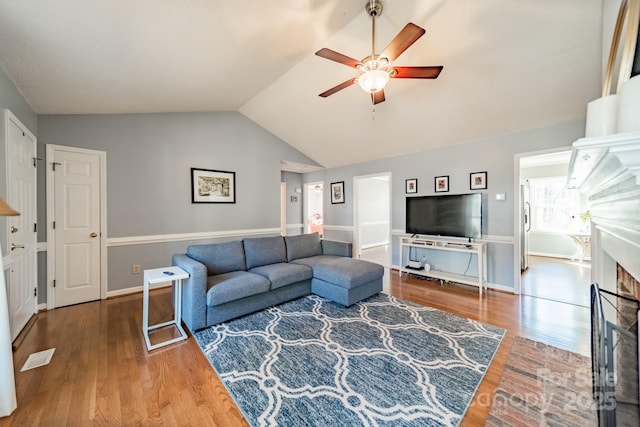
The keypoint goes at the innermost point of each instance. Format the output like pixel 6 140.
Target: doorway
pixel 554 264
pixel 314 208
pixel 76 208
pixel 372 218
pixel 21 230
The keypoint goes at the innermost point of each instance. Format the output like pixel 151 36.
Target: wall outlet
pixel 135 269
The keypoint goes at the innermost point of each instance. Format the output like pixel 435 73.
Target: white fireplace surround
pixel 607 170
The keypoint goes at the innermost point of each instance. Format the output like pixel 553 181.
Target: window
pixel 554 208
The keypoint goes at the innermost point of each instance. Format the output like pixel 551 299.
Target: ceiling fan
pixel 376 70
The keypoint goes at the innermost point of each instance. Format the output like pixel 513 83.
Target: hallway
pixel 558 280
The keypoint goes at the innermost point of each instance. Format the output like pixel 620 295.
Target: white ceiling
pixel 509 65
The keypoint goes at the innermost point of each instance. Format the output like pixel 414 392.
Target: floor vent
pixel 35 360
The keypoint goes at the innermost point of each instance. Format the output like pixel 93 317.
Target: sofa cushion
pixel 303 246
pixel 219 257
pixel 348 272
pixel 316 260
pixel 283 274
pixel 233 286
pixel 264 251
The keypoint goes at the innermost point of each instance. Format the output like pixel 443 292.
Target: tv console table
pixel 479 249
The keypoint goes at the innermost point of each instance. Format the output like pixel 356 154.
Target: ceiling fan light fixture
pixel 373 80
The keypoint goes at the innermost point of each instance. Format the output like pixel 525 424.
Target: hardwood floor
pixel 558 279
pixel 102 374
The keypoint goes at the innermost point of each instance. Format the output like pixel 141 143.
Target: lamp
pixel 373 80
pixel 8 400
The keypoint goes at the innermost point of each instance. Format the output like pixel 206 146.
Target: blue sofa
pixel 231 279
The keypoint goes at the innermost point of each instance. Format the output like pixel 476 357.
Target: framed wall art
pixel 411 186
pixel 478 180
pixel 441 184
pixel 212 186
pixel 337 192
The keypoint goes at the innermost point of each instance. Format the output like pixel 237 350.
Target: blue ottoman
pixel 346 280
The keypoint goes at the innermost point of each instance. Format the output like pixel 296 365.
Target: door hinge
pixel 53 164
pixel 54 225
pixel 35 292
pixel 35 227
pixel 35 160
pixel 54 283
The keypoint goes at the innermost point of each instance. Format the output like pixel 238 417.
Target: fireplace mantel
pixel 607 170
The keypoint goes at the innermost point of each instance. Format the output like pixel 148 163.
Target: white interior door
pixel 22 247
pixel 77 225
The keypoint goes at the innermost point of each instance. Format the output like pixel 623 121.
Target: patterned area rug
pixel 381 362
pixel 543 386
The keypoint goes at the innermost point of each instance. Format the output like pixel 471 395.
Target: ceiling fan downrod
pixel 373 8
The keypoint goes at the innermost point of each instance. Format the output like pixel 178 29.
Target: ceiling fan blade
pixel 338 57
pixel 405 38
pixel 417 72
pixel 338 88
pixel 378 97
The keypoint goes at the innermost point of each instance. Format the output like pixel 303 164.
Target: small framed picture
pixel 212 186
pixel 337 192
pixel 478 180
pixel 411 186
pixel 442 184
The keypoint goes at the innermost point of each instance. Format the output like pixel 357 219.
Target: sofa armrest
pixel 333 247
pixel 194 292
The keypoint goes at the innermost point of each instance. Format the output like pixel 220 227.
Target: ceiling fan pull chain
pixel 373 109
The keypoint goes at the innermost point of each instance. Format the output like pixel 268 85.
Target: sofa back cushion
pixel 261 251
pixel 303 246
pixel 219 258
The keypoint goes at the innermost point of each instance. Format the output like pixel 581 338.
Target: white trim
pixel 181 237
pixel 374 245
pixel 42 307
pixel 295 226
pixel 136 289
pixel 349 228
pixel 558 256
pixel 102 156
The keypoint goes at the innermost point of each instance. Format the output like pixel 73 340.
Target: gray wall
pixel 149 157
pixel 494 155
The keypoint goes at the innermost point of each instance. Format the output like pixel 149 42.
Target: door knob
pixel 14 246
pixel 14 229
pixel 94 235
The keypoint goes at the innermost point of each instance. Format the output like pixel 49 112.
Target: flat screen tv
pixel 453 215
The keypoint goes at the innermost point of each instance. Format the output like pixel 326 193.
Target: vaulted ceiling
pixel 509 65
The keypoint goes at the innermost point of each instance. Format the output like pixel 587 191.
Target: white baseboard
pixel 41 307
pixel 135 290
pixel 374 245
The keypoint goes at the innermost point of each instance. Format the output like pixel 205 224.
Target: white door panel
pixel 22 238
pixel 77 227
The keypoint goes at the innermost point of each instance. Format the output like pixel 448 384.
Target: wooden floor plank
pixel 102 374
